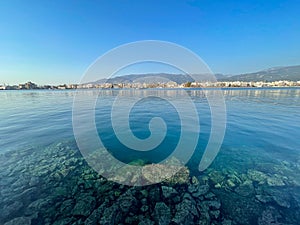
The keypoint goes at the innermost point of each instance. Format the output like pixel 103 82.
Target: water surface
pixel 255 177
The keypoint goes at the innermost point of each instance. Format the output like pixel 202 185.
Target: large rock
pixel 171 172
pixel 127 203
pixel 84 206
pixel 155 173
pixel 154 194
pixel 168 192
pixel 111 215
pixel 197 191
pixel 162 214
pixel 185 212
pixel 95 216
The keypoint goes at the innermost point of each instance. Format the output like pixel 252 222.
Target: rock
pixel 65 221
pixel 144 201
pixel 218 185
pixel 275 181
pixel 146 221
pixel 144 208
pixel 12 209
pixel 154 194
pixel 282 200
pixel 34 181
pixel 213 204
pixel 19 221
pixel 210 195
pixel 96 215
pixel 185 212
pixel 257 176
pixel 111 215
pixel 269 216
pixel 203 209
pixel 127 203
pixel 215 214
pixel 187 196
pixel 144 193
pixel 281 196
pixel 226 222
pixel 230 183
pixel 38 205
pixel 67 206
pixel 131 220
pixel 263 198
pixel 245 189
pixel 6 192
pixel 28 195
pixel 21 182
pixel 216 177
pixel 162 214
pixel 84 206
pixel 193 187
pixel 201 190
pixel 195 181
pixel 168 192
pixel 173 174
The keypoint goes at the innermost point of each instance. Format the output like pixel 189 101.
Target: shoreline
pixel 157 88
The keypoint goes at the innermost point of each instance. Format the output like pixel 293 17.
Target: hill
pixel 291 73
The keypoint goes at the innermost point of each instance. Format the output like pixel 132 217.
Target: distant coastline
pixel 171 84
pixel 288 76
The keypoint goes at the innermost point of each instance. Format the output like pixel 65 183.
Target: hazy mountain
pixel 158 78
pixel 291 73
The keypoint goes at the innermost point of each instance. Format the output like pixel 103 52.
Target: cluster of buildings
pixel 30 86
pixel 281 83
pixel 171 84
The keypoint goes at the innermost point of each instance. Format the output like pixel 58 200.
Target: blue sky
pixel 55 41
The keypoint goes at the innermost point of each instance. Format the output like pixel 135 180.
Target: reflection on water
pixel 254 179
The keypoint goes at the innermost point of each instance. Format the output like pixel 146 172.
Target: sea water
pixel 253 180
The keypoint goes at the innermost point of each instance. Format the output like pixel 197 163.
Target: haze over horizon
pixel 54 42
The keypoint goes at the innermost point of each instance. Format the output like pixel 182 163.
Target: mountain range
pixel 291 73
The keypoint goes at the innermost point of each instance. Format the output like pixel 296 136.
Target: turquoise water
pixel 254 179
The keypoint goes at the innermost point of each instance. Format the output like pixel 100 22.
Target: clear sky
pixel 55 41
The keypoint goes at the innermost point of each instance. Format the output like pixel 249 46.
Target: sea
pixel 45 177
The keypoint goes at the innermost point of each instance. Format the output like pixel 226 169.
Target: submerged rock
pixel 95 216
pixel 168 192
pixel 245 189
pixel 275 181
pixel 257 176
pixel 213 204
pixel 162 214
pixel 270 216
pixel 19 221
pixel 185 212
pixel 84 206
pixel 215 214
pixel 216 177
pixel 12 209
pixel 146 221
pixel 111 215
pixel 156 173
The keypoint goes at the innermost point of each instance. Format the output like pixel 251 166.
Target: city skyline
pixel 55 42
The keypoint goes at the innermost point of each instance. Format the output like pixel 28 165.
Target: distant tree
pixel 188 84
